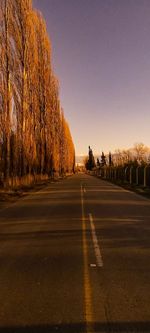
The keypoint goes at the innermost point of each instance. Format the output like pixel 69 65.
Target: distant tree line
pixel 139 155
pixel 34 135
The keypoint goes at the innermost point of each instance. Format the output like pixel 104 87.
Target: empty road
pixel 75 257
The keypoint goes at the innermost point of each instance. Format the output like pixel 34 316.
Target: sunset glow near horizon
pixel 101 55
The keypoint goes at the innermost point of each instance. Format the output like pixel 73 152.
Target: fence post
pixel 145 174
pixel 111 175
pixel 131 168
pixel 137 176
pixel 125 174
pixel 106 173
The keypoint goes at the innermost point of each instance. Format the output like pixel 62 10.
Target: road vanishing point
pixel 75 257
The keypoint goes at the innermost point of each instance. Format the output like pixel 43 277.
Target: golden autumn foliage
pixel 34 136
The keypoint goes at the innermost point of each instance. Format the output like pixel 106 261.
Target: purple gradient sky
pixel 101 55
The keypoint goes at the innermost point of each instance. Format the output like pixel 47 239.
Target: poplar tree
pixel 35 138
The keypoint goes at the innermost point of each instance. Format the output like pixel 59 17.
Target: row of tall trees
pixel 34 135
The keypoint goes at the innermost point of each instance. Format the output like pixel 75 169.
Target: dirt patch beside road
pixel 7 197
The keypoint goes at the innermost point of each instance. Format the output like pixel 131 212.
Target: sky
pixel 101 56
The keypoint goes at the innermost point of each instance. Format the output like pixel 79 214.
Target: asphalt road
pixel 75 257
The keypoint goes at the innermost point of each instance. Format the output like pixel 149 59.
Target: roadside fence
pixel 132 175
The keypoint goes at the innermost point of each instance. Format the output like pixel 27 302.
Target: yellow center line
pixel 88 311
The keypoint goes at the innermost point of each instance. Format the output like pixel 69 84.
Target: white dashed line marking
pixel 95 243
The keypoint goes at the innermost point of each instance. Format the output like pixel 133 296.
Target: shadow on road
pixel 114 327
pixel 128 236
